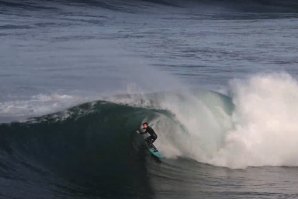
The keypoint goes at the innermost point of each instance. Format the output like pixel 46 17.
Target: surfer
pixel 152 137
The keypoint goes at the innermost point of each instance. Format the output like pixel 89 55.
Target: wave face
pixel 93 150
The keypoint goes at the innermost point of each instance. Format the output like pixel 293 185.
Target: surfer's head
pixel 145 125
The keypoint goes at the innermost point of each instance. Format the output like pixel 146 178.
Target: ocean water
pixel 217 80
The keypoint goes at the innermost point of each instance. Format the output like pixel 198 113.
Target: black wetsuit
pixel 152 136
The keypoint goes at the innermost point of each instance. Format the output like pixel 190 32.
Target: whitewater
pixel 216 80
pixel 254 125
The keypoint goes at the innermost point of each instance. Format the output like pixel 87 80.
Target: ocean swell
pixel 95 149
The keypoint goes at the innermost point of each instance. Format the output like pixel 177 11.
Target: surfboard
pixel 154 151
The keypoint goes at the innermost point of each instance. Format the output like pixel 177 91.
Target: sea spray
pixel 265 118
pixel 255 127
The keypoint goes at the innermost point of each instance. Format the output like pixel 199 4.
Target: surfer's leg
pixel 153 138
pixel 148 140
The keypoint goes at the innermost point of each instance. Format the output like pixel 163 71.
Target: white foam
pixel 262 130
pixel 266 127
pixel 37 105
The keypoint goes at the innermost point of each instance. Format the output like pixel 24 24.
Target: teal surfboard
pixel 154 152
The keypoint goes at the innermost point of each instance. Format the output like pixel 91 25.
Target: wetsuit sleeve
pixel 143 132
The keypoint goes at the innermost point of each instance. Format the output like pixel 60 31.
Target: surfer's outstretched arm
pixel 140 132
pixel 143 132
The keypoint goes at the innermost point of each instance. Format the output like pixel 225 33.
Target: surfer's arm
pixel 140 132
